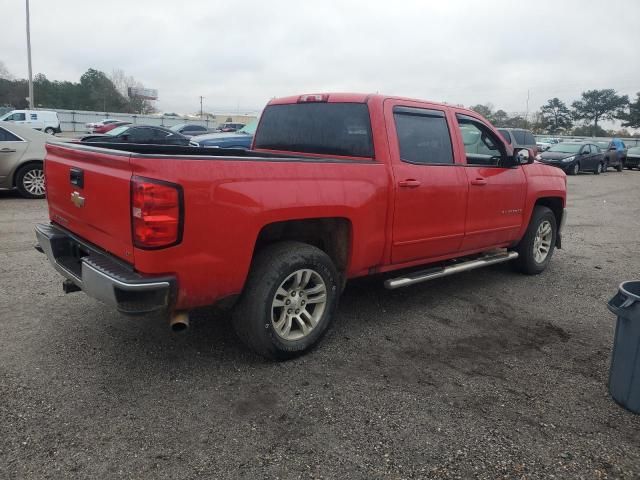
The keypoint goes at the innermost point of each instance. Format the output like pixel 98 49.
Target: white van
pixel 43 120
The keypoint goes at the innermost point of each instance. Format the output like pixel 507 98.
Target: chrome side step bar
pixel 438 272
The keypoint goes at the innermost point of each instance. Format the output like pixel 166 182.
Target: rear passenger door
pixel 495 210
pixel 430 188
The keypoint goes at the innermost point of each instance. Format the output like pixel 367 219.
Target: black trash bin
pixel 624 375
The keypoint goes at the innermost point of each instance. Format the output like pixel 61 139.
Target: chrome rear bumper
pixel 102 276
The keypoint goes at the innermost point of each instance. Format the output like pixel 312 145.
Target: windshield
pixel 249 128
pixel 566 148
pixel 118 130
pixel 177 128
pixel 634 150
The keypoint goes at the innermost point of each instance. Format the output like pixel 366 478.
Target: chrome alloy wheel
pixel 298 304
pixel 33 181
pixel 542 241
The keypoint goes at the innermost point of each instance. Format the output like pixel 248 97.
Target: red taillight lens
pixel 156 213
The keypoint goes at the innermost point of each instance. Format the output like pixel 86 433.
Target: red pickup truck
pixel 336 186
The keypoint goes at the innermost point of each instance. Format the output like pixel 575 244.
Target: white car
pixel 42 120
pixel 106 121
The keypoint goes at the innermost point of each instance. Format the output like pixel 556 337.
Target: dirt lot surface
pixel 488 374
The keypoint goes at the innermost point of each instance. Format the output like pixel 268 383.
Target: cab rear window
pixel 321 128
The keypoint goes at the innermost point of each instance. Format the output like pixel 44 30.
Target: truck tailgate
pixel 88 193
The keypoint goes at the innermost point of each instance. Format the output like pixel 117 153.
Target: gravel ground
pixel 488 374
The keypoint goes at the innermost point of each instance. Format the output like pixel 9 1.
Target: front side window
pixel 423 136
pixel 320 128
pixel 530 139
pixel 520 137
pixel 506 135
pixel 34 116
pixel 585 149
pixel 481 145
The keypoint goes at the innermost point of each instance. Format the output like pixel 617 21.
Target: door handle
pixel 479 181
pixel 409 183
pixel 7 150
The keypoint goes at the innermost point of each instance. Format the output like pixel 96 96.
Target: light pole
pixel 31 102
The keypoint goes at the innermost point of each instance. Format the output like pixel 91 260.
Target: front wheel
pixel 30 181
pixel 49 130
pixel 288 301
pixel 620 166
pixel 536 247
pixel 574 169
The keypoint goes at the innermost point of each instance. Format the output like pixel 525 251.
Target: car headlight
pixel 568 159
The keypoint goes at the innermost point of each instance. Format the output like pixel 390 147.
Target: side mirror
pixel 523 156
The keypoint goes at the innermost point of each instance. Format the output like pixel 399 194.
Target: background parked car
pixel 190 129
pixel 545 144
pixel 242 139
pixel 144 134
pixel 230 127
pixel 43 120
pixel 106 121
pixel 574 157
pixel 107 127
pixel 21 159
pixel 519 138
pixel 633 158
pixel 615 152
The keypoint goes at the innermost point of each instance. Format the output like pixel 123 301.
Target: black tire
pixel 50 130
pixel 252 316
pixel 605 166
pixel 598 169
pixel 574 169
pixel 22 176
pixel 526 262
pixel 620 166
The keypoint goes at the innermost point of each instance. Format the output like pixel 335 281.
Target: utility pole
pixel 31 102
pixel 201 115
pixel 526 117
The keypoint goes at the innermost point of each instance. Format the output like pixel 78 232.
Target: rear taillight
pixel 156 213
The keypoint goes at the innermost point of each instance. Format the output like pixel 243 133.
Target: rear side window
pixel 322 128
pixel 423 136
pixel 6 136
pixel 34 116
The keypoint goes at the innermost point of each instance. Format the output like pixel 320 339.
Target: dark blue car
pixel 241 139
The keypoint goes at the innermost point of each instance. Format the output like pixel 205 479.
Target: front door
pixel 430 186
pixel 496 200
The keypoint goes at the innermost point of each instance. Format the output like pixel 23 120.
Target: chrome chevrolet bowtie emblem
pixel 77 199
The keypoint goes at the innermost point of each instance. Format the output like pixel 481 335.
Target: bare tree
pixel 123 82
pixel 5 74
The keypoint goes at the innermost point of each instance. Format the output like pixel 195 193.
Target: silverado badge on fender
pixel 77 199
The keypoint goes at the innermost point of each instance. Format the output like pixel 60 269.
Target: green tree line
pixel 96 91
pixel 581 118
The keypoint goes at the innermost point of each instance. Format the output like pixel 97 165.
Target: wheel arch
pixel 332 235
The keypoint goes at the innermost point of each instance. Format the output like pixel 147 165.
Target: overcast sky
pixel 245 52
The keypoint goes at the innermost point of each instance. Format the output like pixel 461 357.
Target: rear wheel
pixel 30 181
pixel 288 301
pixel 536 247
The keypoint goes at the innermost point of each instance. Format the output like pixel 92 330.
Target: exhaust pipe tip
pixel 179 322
